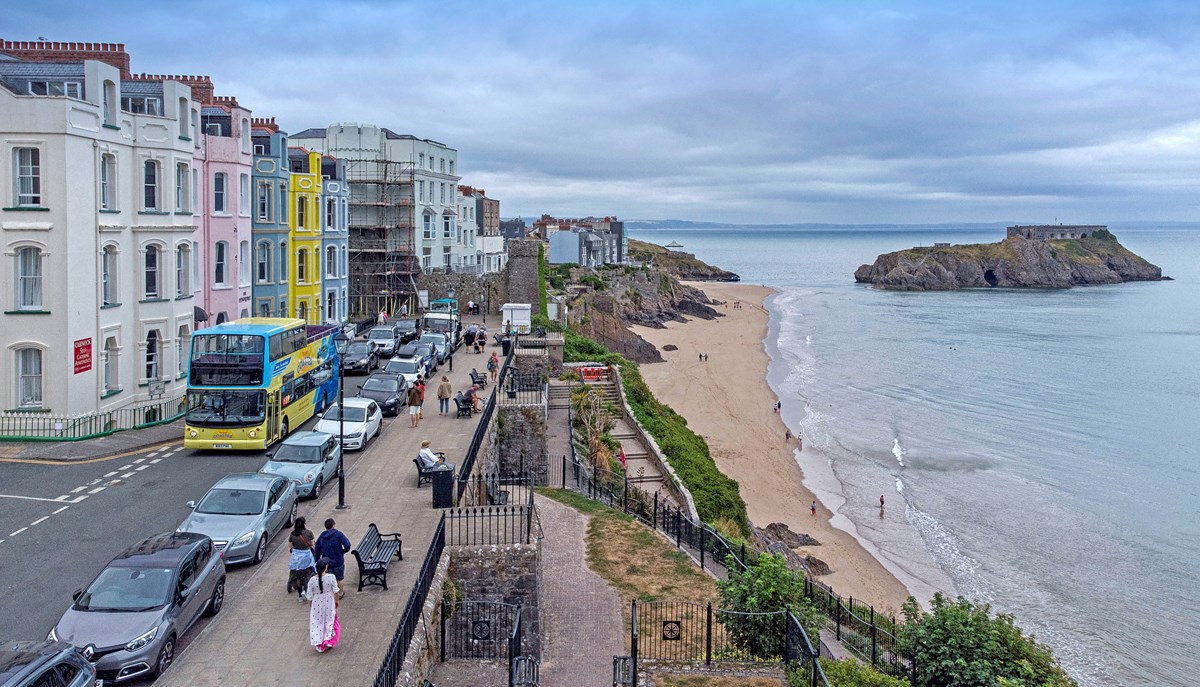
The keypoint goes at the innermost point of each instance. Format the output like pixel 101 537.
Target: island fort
pixel 1045 232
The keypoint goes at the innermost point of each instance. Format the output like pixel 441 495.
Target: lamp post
pixel 341 341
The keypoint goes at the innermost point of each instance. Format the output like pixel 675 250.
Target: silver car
pixel 241 512
pixel 129 619
pixel 310 459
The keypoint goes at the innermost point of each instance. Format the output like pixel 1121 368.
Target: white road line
pixel 177 449
pixel 141 467
pixel 60 510
pixel 110 474
pixel 76 490
pixel 27 498
pixel 18 531
pixel 41 519
pixel 97 490
pixel 155 461
pixel 93 482
pixel 127 475
pixel 138 460
pixel 77 499
pixel 112 483
pixel 124 467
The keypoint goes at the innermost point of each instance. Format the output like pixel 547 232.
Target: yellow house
pixel 305 230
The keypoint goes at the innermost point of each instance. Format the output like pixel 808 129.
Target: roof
pixel 313 438
pixel 310 133
pixel 166 548
pixel 355 402
pixel 16 658
pixel 253 325
pixel 256 481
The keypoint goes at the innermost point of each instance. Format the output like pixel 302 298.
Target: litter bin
pixel 505 346
pixel 443 487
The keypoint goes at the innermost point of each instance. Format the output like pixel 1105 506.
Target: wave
pixel 898 451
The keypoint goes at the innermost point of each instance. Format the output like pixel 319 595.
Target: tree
pixel 765 587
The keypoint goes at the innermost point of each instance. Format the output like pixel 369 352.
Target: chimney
pixel 202 87
pixel 56 51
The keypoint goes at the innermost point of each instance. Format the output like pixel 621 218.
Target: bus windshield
pixel 227 360
pixel 224 407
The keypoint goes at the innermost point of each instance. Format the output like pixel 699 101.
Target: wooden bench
pixel 479 379
pixel 462 407
pixel 424 474
pixel 373 553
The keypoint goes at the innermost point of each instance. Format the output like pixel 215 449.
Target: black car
pixel 360 356
pixel 33 664
pixel 388 390
pixel 410 330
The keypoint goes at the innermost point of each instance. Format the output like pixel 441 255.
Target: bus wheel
pixel 284 432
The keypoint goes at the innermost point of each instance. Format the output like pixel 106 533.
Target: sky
pixel 743 112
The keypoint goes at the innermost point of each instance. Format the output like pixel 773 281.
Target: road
pixel 60 523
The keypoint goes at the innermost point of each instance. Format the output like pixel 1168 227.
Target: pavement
pixel 128 441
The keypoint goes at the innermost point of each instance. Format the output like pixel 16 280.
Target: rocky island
pixel 1036 256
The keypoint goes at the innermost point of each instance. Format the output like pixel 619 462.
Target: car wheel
pixel 292 516
pixel 261 552
pixel 166 656
pixel 285 428
pixel 217 600
pixel 316 490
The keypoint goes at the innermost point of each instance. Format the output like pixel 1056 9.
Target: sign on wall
pixel 83 355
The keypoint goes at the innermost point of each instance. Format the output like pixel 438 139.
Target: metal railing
pixel 481 428
pixel 479 630
pixel 33 425
pixel 503 512
pixel 393 660
pixel 869 635
pixel 522 388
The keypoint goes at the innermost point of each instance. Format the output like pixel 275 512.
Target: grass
pixel 668 680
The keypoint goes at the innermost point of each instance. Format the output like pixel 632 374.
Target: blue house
pixel 270 178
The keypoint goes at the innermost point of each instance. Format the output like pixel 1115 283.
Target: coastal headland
pixel 727 401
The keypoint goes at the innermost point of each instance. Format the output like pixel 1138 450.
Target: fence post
pixel 708 636
pixel 655 524
pixel 595 477
pixel 703 529
pixel 678 518
pixel 633 644
pixel 443 632
pixel 787 646
pixel 837 618
pixel 744 563
pixel 564 472
pixel 873 659
pixel 625 496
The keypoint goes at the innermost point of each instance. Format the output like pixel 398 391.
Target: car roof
pixel 161 549
pixel 313 438
pixel 409 349
pixel 256 481
pixel 385 375
pixel 20 659
pixel 386 328
pixel 354 402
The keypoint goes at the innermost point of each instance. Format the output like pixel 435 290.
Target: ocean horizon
pixel 1036 447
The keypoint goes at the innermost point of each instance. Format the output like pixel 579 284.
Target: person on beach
pixel 414 406
pixel 444 391
pixel 787 435
pixel 777 406
pixel 813 508
pixel 881 503
pixel 706 357
pixel 324 631
pixel 302 563
pixel 333 546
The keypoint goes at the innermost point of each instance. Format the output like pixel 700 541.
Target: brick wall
pixel 56 51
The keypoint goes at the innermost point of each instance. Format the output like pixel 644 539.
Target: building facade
pixel 335 212
pixel 271 227
pixel 1050 232
pixel 305 236
pixel 97 228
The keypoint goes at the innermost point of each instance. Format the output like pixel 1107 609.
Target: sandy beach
pixel 727 400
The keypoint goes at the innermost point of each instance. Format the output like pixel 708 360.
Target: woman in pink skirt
pixel 323 628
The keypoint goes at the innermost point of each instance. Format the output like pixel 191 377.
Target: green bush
pixel 767 586
pixel 849 673
pixel 593 281
pixel 961 644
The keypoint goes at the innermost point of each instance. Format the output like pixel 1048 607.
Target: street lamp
pixel 341 341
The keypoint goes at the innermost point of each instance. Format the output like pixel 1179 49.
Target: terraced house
pixel 335 214
pixel 305 285
pixel 97 228
pixel 271 179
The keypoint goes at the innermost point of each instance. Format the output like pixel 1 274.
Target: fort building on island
pixel 1046 232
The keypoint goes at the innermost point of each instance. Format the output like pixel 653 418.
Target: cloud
pixel 756 112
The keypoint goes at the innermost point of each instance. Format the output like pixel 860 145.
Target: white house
pixel 97 228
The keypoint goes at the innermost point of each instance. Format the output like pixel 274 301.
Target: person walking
pixel 493 366
pixel 404 310
pixel 813 508
pixel 881 503
pixel 302 563
pixel 381 318
pixel 420 410
pixel 324 630
pixel 445 390
pixel 414 406
pixel 333 546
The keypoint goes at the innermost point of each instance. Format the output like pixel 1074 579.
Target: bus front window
pixel 225 408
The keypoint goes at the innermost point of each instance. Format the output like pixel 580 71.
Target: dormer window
pixel 71 89
pixel 142 105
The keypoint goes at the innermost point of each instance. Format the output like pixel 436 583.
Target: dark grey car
pixel 35 664
pixel 130 618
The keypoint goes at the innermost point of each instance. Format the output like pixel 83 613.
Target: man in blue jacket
pixel 334 545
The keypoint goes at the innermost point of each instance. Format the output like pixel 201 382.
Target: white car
pixel 364 420
pixel 410 369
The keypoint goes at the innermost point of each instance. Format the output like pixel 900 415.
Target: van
pixel 516 317
pixel 444 323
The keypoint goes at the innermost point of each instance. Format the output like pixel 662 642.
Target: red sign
pixel 83 355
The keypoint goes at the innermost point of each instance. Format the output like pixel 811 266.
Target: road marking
pixel 155 461
pixel 60 510
pixel 124 467
pixel 28 498
pixel 110 474
pixel 97 490
pixel 141 467
pixel 18 531
pixel 127 475
pixel 77 499
pixel 76 490
pixel 89 461
pixel 95 481
pixel 138 460
pixel 112 483
pixel 41 519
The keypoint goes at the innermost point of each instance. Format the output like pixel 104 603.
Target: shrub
pixel 767 586
pixel 850 673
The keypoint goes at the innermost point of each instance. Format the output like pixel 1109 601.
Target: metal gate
pixel 477 630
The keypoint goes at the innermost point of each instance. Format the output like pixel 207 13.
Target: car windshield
pixel 127 589
pixel 358 348
pixel 424 350
pixel 232 502
pixel 381 385
pixel 435 339
pixel 353 414
pixel 407 325
pixel 292 453
pixel 381 334
pixel 401 366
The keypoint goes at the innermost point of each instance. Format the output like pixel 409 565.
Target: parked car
pixel 411 369
pixel 387 338
pixel 410 330
pixel 440 344
pixel 309 459
pixel 129 619
pixel 360 356
pixel 34 664
pixel 241 512
pixel 364 420
pixel 388 390
pixel 422 352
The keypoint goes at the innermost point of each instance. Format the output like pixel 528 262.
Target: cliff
pixel 1011 263
pixel 678 264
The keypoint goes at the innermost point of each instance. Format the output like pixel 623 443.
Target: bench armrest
pixel 391 535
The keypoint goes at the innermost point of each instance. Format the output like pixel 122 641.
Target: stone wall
pixel 424 649
pixel 491 289
pixel 522 272
pixel 520 442
pixel 504 574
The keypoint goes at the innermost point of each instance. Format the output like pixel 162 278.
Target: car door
pixel 189 586
pixel 329 454
pixel 374 419
pixel 275 496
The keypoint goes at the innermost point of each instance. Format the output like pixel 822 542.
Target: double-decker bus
pixel 252 380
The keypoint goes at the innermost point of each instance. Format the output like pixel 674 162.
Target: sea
pixel 1038 450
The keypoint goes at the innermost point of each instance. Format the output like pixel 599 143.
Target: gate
pixel 478 630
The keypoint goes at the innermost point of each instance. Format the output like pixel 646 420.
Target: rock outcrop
pixel 678 264
pixel 1011 263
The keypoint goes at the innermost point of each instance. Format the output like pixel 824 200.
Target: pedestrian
pixel 787 435
pixel 471 307
pixel 706 357
pixel 302 563
pixel 333 545
pixel 324 630
pixel 881 502
pixel 480 339
pixel 493 365
pixel 813 508
pixel 444 392
pixel 404 309
pixel 381 319
pixel 420 403
pixel 414 406
pixel 700 357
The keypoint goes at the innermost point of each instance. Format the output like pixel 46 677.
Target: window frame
pixel 151 185
pixel 21 374
pixel 220 193
pixel 29 174
pixel 244 195
pixel 108 169
pixel 183 270
pixel 152 272
pixel 29 288
pixel 220 263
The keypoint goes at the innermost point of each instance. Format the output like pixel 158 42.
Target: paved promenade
pixel 261 637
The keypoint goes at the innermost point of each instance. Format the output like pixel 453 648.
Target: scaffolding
pixel 383 261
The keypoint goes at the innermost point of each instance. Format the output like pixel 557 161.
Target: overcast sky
pixel 767 112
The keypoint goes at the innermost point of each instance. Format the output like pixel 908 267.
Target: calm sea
pixel 1037 449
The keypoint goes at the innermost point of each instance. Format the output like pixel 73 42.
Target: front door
pixel 272 416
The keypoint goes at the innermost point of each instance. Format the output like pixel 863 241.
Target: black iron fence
pixel 481 428
pixel 869 635
pixel 480 630
pixel 522 387
pixel 397 650
pixel 489 525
